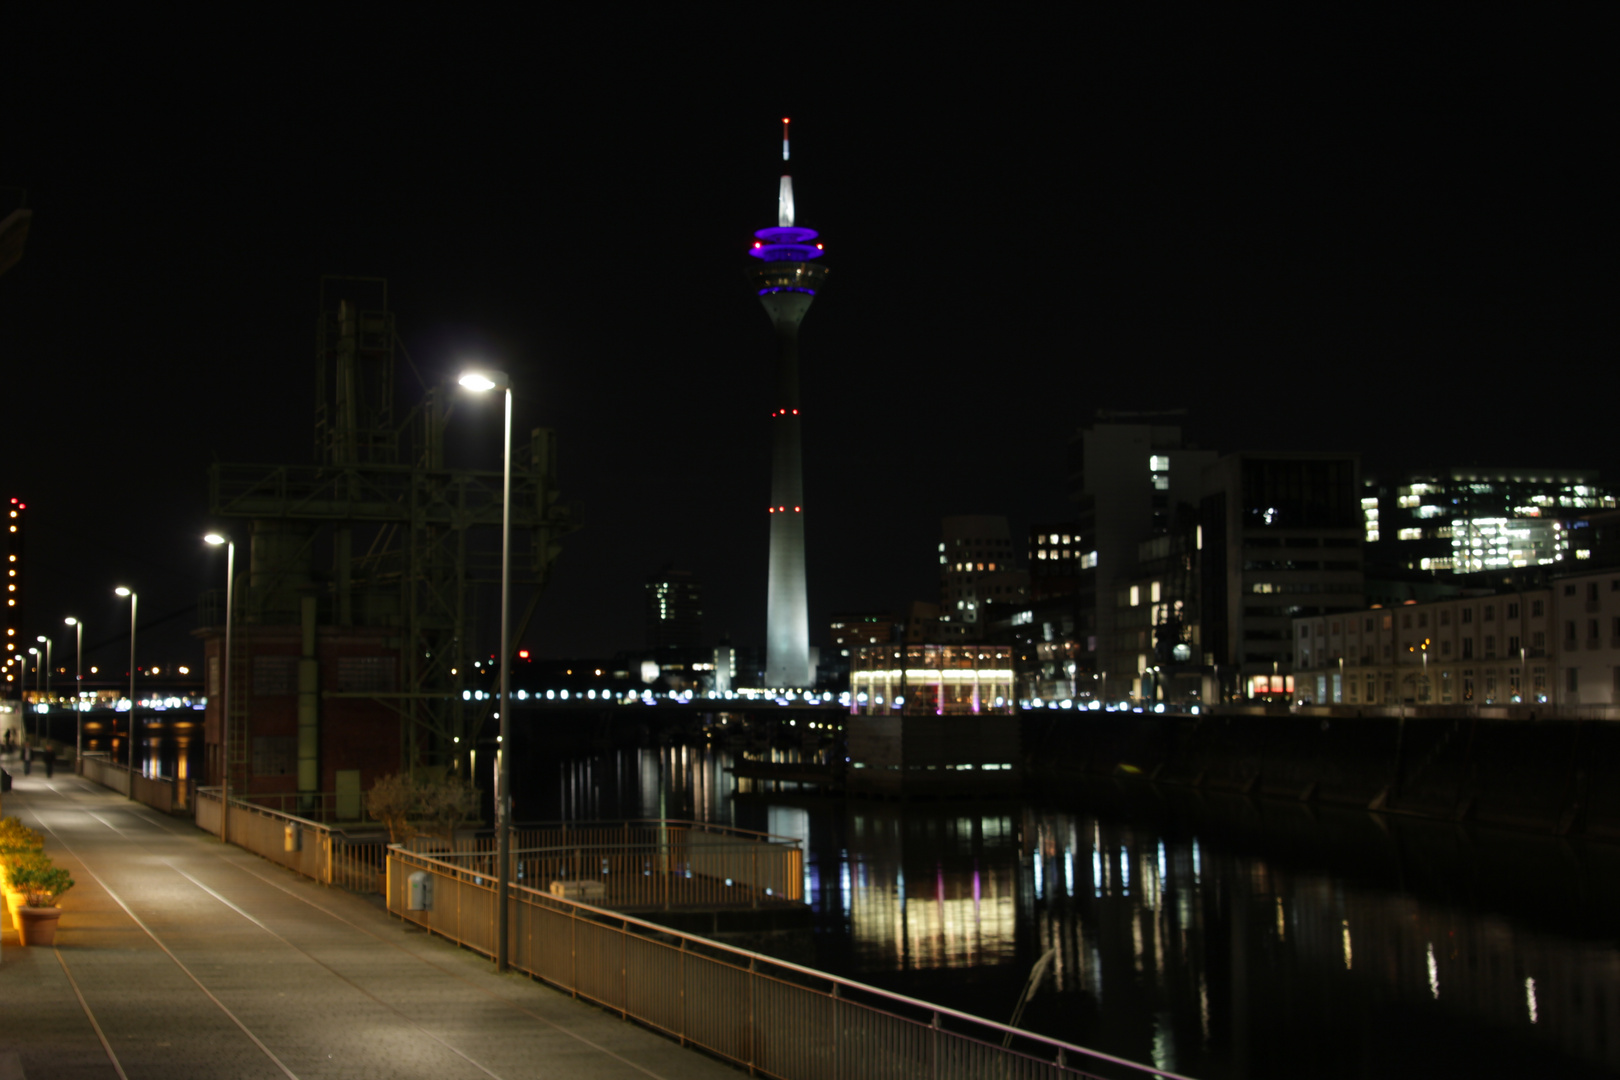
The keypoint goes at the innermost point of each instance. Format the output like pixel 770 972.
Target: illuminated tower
pixel 786 280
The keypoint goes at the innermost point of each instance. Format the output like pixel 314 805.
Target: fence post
pixel 933 1048
pixel 624 969
pixel 753 1038
pixel 683 990
pixel 837 1020
pixel 754 854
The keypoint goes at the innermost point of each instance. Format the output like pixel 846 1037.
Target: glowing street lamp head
pixel 71 621
pixel 215 539
pixel 484 379
pixel 122 591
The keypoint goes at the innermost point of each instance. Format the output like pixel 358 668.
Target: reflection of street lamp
pixel 225 689
pixel 483 381
pixel 78 677
pixel 134 602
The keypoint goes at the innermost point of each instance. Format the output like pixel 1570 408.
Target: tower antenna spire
pixel 784 196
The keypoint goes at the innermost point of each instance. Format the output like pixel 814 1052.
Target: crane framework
pixel 411 544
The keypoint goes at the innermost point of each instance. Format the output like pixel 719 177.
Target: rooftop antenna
pixel 784 198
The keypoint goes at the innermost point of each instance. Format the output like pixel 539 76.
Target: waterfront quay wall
pixel 1556 776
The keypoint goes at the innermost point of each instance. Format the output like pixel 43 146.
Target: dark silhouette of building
pixel 674 609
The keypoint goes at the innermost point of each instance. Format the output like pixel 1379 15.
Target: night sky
pixel 1330 231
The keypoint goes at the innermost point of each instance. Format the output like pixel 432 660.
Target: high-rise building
pixel 1127 478
pixel 1279 538
pixel 674 609
pixel 979 574
pixel 787 279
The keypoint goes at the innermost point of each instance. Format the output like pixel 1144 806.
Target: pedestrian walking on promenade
pixel 28 759
pixel 49 754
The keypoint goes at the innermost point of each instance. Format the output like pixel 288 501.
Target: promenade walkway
pixel 179 957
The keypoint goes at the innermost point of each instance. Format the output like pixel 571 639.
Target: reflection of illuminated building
pixel 954 905
pixel 933 718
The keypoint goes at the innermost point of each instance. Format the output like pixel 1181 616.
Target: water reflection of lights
pixel 1162 932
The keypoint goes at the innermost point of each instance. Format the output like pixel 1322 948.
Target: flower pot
pixel 38 925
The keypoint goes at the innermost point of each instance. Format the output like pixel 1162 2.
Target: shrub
pixel 14 834
pixel 17 867
pixel 421 807
pixel 42 882
pixel 392 801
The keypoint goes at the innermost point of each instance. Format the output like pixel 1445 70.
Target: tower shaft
pixel 787 605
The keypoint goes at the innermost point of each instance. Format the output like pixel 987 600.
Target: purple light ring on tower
pixel 785 252
pixel 786 234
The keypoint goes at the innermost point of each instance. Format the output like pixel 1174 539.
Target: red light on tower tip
pixel 523 654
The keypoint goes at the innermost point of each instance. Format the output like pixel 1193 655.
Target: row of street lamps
pixel 45 664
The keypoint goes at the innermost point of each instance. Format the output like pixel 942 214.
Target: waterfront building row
pixel 1553 645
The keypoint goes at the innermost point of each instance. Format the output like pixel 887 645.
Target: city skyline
pixel 1314 239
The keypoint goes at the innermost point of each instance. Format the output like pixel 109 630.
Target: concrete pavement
pixel 181 957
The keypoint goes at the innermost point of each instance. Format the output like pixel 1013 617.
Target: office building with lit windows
pixel 979 574
pixel 1467 520
pixel 1280 538
pixel 1127 479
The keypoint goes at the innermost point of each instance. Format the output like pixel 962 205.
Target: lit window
pixel 1136 595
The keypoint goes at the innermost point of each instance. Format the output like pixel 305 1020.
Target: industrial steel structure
pixel 364 568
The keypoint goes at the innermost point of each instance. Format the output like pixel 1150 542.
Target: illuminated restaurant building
pixel 932 719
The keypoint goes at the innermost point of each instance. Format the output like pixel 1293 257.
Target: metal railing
pixel 315 850
pixel 162 793
pixel 640 864
pixel 775 1018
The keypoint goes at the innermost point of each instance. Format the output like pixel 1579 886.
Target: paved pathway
pixel 181 957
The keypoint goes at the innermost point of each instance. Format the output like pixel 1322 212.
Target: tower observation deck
pixel 787 278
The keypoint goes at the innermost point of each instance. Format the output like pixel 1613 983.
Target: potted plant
pixel 43 884
pixel 14 861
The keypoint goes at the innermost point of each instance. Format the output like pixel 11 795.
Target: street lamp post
pixel 39 662
pixel 484 381
pixel 225 689
pixel 48 662
pixel 134 603
pixel 78 689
